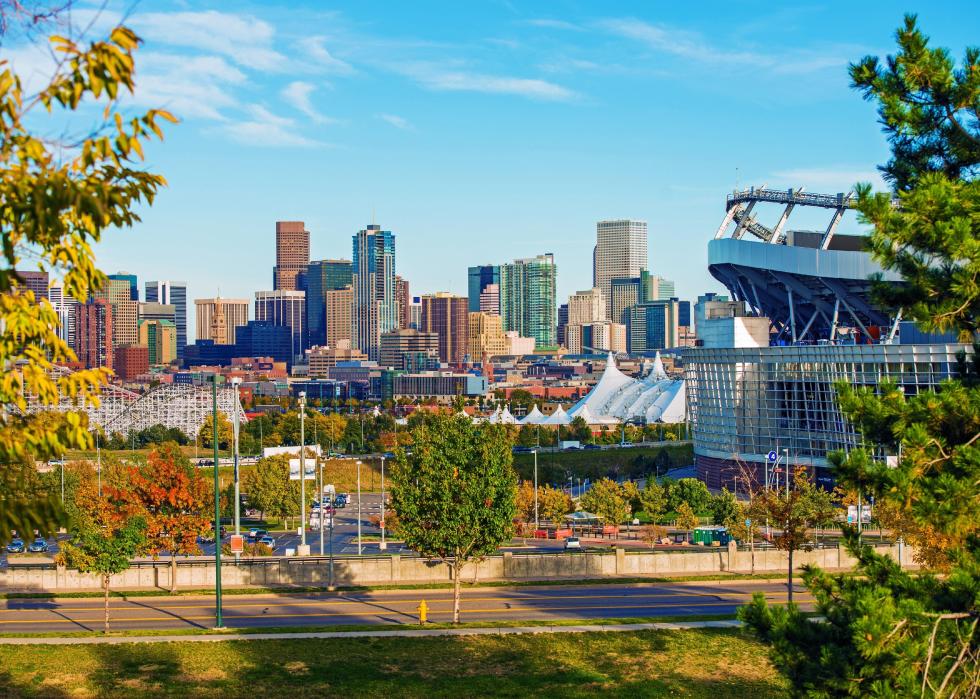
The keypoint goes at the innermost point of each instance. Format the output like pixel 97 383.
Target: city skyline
pixel 549 77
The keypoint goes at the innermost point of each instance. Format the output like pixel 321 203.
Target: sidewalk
pixel 408 633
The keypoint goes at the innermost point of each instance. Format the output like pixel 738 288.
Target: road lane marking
pixel 407 613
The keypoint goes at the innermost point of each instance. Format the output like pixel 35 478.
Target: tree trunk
pixel 105 587
pixel 789 587
pixel 457 569
pixel 173 572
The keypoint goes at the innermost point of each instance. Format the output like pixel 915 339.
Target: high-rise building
pixel 592 338
pixel 160 339
pixel 174 294
pixel 131 361
pixel 375 308
pixel 629 291
pixel 337 313
pixel 562 324
pixel 323 359
pixel 134 289
pixel 35 281
pixel 587 306
pixel 292 254
pixel 286 308
pixel 661 288
pixel 409 350
pixel 260 338
pixel 479 278
pixel 125 312
pixel 403 296
pixel 527 298
pixel 158 311
pixel 620 251
pixel 93 334
pixel 486 336
pixel 652 325
pixel 416 313
pixel 446 315
pixel 235 314
pixel 66 308
pixel 490 299
pixel 321 277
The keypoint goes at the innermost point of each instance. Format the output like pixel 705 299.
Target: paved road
pixel 389 607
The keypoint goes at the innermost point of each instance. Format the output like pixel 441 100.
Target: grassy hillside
pixel 637 462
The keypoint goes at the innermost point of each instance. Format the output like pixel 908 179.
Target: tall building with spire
pixel 235 312
pixel 375 306
pixel 292 254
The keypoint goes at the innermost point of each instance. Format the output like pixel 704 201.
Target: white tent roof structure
pixel 559 417
pixel 535 417
pixel 617 397
pixel 506 418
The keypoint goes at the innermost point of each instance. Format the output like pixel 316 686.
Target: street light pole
pixel 218 624
pixel 536 523
pixel 98 456
pixel 384 545
pixel 323 509
pixel 302 468
pixel 360 550
pixel 236 423
pixel 786 462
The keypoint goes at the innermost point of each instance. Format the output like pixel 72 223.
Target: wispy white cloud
pixel 314 48
pixel 297 94
pixel 397 121
pixel 439 78
pixel 246 40
pixel 188 86
pixel 263 128
pixel 554 24
pixel 840 178
pixel 695 47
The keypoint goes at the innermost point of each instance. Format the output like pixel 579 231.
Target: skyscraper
pixel 160 339
pixel 527 298
pixel 175 294
pixel 446 315
pixel 486 336
pixel 34 280
pixel 652 325
pixel 93 334
pixel 321 277
pixel 235 312
pixel 490 299
pixel 479 278
pixel 287 309
pixel 620 251
pixel 134 289
pixel 337 310
pixel 292 254
pixel 403 296
pixel 125 311
pixel 409 349
pixel 587 306
pixel 375 308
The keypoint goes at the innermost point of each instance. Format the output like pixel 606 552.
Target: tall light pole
pixel 98 456
pixel 359 547
pixel 536 523
pixel 302 468
pixel 786 466
pixel 384 545
pixel 323 507
pixel 236 424
pixel 217 506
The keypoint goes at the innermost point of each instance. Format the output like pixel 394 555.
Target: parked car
pixel 522 450
pixel 592 446
pixel 268 541
pixel 16 546
pixel 39 545
pixel 572 542
pixel 340 500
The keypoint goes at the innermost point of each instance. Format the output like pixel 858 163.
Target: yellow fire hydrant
pixel 423 612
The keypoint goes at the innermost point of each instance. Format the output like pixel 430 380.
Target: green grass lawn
pixel 696 663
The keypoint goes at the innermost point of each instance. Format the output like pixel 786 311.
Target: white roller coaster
pixel 184 406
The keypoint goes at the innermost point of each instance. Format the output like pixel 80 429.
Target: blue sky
pixel 481 132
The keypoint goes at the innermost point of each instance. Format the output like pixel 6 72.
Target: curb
pixel 414 633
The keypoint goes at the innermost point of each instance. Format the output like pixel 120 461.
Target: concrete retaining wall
pixel 394 570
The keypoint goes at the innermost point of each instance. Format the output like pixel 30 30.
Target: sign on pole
pixel 772 456
pixel 237 543
pixel 294 469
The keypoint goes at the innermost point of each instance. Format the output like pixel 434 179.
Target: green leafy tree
pixel 887 632
pixel 723 506
pixel 653 499
pixel 690 490
pixel 269 489
pixel 579 429
pixel 608 500
pixel 554 504
pixel 57 198
pixel 454 495
pixel 790 511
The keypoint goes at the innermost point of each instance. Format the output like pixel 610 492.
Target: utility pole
pixel 360 549
pixel 218 624
pixel 98 456
pixel 536 523
pixel 323 507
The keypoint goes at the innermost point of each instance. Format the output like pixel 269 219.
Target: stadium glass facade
pixel 745 402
